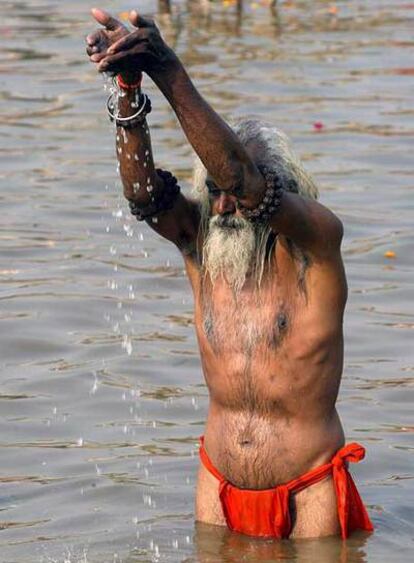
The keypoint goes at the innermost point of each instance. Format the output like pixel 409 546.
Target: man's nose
pixel 226 204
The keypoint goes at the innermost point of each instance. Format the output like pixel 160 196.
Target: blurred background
pixel 101 393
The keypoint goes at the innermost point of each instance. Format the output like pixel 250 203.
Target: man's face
pixel 222 202
pixel 230 246
pixel 225 202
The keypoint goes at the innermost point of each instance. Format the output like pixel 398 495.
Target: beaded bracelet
pixel 163 202
pixel 271 199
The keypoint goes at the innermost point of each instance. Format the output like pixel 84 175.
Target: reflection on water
pixel 215 543
pixel 101 398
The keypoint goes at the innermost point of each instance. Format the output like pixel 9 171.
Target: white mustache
pixel 228 222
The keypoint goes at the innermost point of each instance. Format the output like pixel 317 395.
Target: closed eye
pixel 237 191
pixel 214 193
pixel 213 190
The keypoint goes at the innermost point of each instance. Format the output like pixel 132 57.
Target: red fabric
pixel 265 513
pixel 129 86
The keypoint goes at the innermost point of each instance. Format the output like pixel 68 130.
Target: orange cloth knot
pixel 265 513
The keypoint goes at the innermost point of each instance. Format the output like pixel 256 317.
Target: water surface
pixel 101 397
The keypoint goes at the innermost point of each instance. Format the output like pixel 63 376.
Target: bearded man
pixel 263 259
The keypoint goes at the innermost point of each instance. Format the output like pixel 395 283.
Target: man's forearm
pixel 212 139
pixel 134 153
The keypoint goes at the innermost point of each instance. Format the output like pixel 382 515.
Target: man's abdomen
pixel 260 451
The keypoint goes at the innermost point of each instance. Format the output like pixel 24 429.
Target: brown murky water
pixel 101 397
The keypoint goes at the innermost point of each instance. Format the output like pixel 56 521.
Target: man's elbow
pixel 333 234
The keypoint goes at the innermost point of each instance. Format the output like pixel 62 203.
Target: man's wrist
pixel 167 70
pixel 129 80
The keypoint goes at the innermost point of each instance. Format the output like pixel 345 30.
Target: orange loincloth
pixel 265 513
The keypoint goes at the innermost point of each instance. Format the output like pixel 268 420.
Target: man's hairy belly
pixel 258 452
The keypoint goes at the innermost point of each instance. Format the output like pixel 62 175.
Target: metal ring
pixel 131 117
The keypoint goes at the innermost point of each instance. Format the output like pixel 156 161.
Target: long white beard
pixel 229 250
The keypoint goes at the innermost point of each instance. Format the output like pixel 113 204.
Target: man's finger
pixel 105 19
pixel 97 57
pixel 92 50
pixel 111 62
pixel 93 38
pixel 139 21
pixel 124 43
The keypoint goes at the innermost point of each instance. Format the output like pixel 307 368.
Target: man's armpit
pixel 301 259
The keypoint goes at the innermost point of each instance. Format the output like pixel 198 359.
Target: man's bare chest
pixel 240 323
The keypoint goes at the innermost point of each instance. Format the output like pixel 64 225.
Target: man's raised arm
pixel 213 140
pixel 152 193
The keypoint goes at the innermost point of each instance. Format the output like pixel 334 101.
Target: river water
pixel 101 394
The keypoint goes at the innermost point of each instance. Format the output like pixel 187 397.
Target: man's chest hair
pixel 263 316
pixel 244 322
